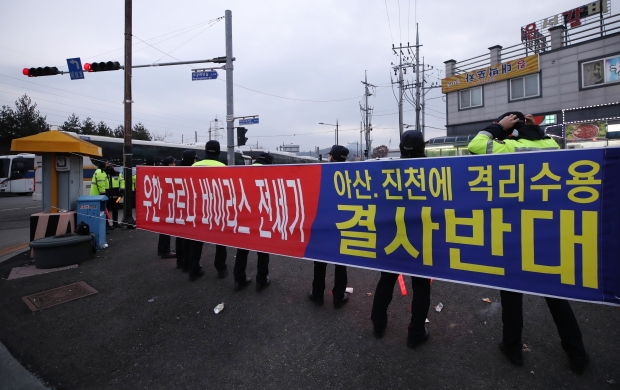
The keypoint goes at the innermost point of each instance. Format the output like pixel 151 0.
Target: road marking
pixel 10 209
pixel 33 207
pixel 14 248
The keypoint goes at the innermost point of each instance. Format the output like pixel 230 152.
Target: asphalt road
pixel 15 212
pixel 149 328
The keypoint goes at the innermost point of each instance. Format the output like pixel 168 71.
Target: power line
pixel 388 17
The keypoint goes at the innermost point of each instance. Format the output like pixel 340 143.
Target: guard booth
pixel 62 176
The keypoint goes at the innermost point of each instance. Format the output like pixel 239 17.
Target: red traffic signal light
pixel 36 72
pixel 102 66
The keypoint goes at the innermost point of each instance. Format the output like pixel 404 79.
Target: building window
pixel 601 71
pixel 470 98
pixel 524 87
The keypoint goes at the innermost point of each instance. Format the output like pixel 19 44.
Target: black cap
pixel 264 158
pixel 339 153
pixel 189 155
pixel 518 114
pixel 167 161
pixel 212 148
pixel 102 162
pixel 412 144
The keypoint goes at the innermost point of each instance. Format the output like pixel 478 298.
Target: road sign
pixel 248 121
pixel 75 68
pixel 210 75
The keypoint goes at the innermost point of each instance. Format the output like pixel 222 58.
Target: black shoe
pixel 379 331
pixel 117 226
pixel 195 276
pixel 340 302
pixel 578 363
pixel 515 355
pixel 263 285
pixel 170 255
pixel 241 285
pixel 412 343
pixel 316 299
pixel 222 273
pixel 108 228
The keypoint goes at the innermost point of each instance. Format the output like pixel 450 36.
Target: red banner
pixel 256 207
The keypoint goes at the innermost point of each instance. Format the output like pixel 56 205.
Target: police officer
pixel 184 245
pixel 101 183
pixel 411 146
pixel 163 245
pixel 116 190
pixel 212 153
pixel 514 132
pixel 241 261
pixel 338 153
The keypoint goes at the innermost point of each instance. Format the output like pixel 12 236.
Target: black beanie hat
pixel 412 144
pixel 339 153
pixel 212 148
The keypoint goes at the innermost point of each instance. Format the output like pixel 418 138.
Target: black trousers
pixel 181 251
pixel 241 262
pixel 163 245
pixel 113 209
pixel 340 280
pixel 193 252
pixel 419 304
pixel 563 316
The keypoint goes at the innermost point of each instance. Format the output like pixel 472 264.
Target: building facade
pixel 566 75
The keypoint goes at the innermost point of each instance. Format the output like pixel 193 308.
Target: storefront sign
pixel 491 74
pixel 543 223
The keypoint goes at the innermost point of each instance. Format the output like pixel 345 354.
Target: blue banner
pixel 543 222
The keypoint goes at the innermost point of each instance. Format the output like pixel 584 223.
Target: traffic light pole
pixel 128 220
pixel 230 109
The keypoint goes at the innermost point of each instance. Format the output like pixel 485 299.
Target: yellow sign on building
pixel 491 74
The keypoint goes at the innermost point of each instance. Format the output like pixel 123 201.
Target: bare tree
pixel 157 136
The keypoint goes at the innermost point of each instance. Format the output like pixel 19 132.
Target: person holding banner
pixel 183 245
pixel 212 153
pixel 338 153
pixel 241 260
pixel 411 146
pixel 514 132
pixel 163 245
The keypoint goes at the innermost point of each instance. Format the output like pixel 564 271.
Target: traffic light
pixel 241 138
pixel 366 153
pixel 102 66
pixel 36 72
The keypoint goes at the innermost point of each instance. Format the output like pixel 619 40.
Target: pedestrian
pixel 241 260
pixel 115 191
pixel 514 132
pixel 338 153
pixel 212 154
pixel 411 146
pixel 163 245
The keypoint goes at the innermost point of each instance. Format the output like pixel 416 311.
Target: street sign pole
pixel 230 111
pixel 128 220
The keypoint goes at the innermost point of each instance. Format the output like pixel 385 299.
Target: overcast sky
pixel 303 52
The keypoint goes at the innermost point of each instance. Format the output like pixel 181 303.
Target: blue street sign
pixel 210 75
pixel 249 121
pixel 75 68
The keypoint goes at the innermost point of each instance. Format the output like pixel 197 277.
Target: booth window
pixel 525 87
pixel 470 98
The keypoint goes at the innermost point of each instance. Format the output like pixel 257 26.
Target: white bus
pixel 17 174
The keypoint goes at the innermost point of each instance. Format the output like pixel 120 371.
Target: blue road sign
pixel 210 75
pixel 75 68
pixel 248 121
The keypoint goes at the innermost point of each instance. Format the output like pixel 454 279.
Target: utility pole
pixel 399 70
pixel 195 137
pixel 367 111
pixel 336 131
pixel 230 110
pixel 128 220
pixel 417 79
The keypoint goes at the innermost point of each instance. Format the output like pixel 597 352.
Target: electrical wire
pixel 208 27
pixel 389 25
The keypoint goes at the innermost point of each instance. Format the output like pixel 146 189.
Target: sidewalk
pixel 149 328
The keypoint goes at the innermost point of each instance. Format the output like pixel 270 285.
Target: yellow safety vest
pixel 209 163
pixel 99 183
